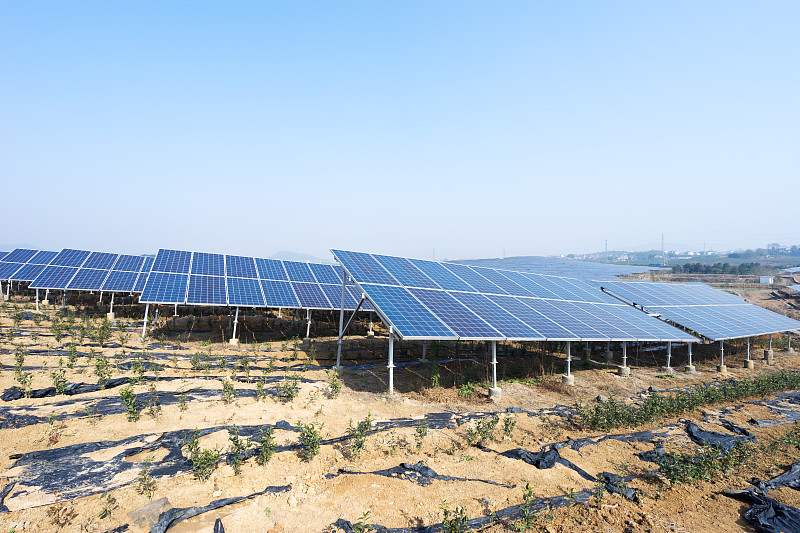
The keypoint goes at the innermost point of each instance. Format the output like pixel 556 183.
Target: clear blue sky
pixel 399 127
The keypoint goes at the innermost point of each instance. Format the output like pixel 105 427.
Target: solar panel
pixel 493 304
pixel 560 266
pixel 28 272
pixel 43 257
pixel 88 279
pixel 241 267
pixel 3 255
pixel 7 270
pixel 271 269
pixel 119 281
pixel 712 313
pixel 326 273
pixel 70 258
pixel 128 263
pixel 311 296
pixel 165 288
pixel 334 295
pixel 206 290
pixel 20 255
pixel 795 287
pixel 172 261
pixel 279 294
pixel 100 260
pixel 245 292
pixel 54 277
pixel 299 272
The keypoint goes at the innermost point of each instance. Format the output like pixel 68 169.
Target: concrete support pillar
pixel 110 314
pixel 768 353
pixel 494 390
pixel 721 366
pixel 609 355
pixel 689 366
pixel 568 378
pixel 668 368
pixel 624 370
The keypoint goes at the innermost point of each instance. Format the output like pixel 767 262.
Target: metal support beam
pixel 424 351
pixel 37 300
pixel 101 298
pixel 308 327
pixel 111 308
pixel 391 360
pixel 235 322
pixel 175 311
pixel 721 366
pixel 669 354
pixel 569 358
pixel 155 318
pixel 144 322
pixel 690 365
pixel 770 341
pixel 64 301
pixel 748 348
pixel 624 353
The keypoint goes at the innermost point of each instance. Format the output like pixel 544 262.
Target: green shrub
pixel 266 445
pixel 309 440
pixel 129 401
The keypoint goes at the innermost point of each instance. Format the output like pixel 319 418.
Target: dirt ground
pixel 319 494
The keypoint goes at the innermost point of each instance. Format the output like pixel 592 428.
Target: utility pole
pixel 663 250
pixel 607 259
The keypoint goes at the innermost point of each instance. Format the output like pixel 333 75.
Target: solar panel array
pixel 446 301
pixel 792 270
pixel 23 264
pixel 560 266
pixel 199 278
pixel 795 287
pixel 82 270
pixel 714 314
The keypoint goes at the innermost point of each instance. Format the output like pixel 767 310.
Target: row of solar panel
pixel 171 288
pixel 670 294
pixel 461 302
pixel 199 278
pixel 419 273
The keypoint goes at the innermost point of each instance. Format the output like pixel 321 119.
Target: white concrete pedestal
pixel 568 380
pixel 624 371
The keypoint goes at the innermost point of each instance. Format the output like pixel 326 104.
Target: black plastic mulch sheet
pixel 95 467
pixel 767 515
pixel 170 517
pixel 790 478
pixel 418 473
pixel 711 438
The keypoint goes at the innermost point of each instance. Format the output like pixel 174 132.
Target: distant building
pixel 766 279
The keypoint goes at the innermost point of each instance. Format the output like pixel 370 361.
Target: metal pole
pixel 308 328
pixel 669 354
pixel 8 290
pixel 341 322
pixel 155 319
pixel 64 301
pixel 391 360
pixel 144 323
pixel 624 353
pixel 721 353
pixel 789 342
pixel 748 348
pixel 235 322
pixel 101 297
pixel 37 300
pixel 494 364
pixel 370 325
pixel 280 313
pixel 770 341
pixel 111 309
pixel 175 312
pixel 690 353
pixel 569 356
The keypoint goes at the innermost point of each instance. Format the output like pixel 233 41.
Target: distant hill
pixel 294 256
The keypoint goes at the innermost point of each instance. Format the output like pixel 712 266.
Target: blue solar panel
pixel 271 269
pixel 241 267
pixel 406 314
pixel 477 281
pixel 129 263
pixel 530 284
pixel 311 296
pixel 299 272
pixel 3 255
pixel 20 255
pixel 100 260
pixel 119 281
pixel 165 288
pixel 457 317
pixel 172 261
pixel 245 292
pixel 279 294
pixel 43 257
pixel 28 272
pixel 70 258
pixel 712 313
pixel 141 280
pixel 9 269
pixel 554 310
pixel 406 273
pixel 208 264
pixel 88 279
pixel 326 273
pixel 54 277
pixel 443 277
pixel 534 319
pixel 500 319
pixel 364 268
pixel 504 282
pixel 206 290
pixel 334 295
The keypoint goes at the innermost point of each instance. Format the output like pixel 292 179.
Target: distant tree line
pixel 763 252
pixel 720 268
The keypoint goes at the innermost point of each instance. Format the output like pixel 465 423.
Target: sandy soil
pixel 315 501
